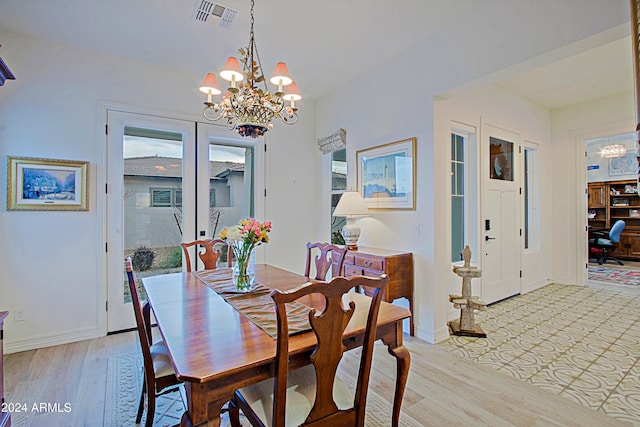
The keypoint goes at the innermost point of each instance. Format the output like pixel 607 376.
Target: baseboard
pixel 44 340
pixel 441 334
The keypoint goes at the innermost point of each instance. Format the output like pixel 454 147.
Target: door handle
pixel 487 238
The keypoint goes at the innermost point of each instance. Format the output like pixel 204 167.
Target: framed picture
pixel 625 165
pixel 46 184
pixel 386 175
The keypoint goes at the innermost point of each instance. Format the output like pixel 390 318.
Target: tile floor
pixel 579 342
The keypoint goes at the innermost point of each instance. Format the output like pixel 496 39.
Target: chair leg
pixel 234 413
pixel 151 408
pixel 141 405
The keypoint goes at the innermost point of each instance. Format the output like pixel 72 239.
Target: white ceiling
pixel 325 43
pixel 597 73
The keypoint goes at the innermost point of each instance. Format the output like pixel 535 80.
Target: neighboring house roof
pixel 171 167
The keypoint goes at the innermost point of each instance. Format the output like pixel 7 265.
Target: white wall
pixel 395 101
pixel 531 123
pixel 49 261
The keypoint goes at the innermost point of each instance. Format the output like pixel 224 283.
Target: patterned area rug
pixel 124 382
pixel 620 276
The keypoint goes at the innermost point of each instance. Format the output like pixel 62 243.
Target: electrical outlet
pixel 416 230
pixel 19 314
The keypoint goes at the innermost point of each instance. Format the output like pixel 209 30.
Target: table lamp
pixel 351 206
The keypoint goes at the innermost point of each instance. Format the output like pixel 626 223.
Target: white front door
pixel 501 238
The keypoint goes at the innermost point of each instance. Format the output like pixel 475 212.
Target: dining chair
pixel 314 395
pixel 159 375
pixel 326 256
pixel 209 255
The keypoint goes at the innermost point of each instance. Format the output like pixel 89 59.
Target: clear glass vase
pixel 243 272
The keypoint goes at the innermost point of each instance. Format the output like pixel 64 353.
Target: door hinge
pixel 520 190
pixel 265 192
pixel 106 246
pixel 521 274
pixel 106 188
pixel 106 306
pixel 106 129
pixel 519 148
pixel 521 231
pixel 265 148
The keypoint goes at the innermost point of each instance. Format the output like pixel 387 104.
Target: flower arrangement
pixel 243 238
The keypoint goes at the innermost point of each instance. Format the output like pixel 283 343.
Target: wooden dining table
pixel 215 349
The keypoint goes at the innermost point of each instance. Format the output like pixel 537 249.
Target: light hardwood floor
pixel 443 389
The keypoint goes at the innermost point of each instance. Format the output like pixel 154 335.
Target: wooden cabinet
pixel 375 262
pixel 5 417
pixel 621 203
pixel 597 194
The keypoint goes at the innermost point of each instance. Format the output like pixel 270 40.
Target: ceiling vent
pixel 208 11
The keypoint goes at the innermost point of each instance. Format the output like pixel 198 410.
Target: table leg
pixel 202 409
pixel 403 359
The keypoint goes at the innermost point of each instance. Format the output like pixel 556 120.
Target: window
pixel 458 143
pixel 166 197
pixel 338 186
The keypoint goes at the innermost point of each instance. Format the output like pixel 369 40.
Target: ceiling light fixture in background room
pixel 247 108
pixel 613 150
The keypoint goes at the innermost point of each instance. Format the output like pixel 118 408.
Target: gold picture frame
pixel 386 175
pixel 35 184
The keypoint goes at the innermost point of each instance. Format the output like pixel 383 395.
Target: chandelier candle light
pixel 243 238
pixel 247 108
pixel 352 206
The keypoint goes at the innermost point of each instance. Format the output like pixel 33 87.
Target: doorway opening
pixel 613 210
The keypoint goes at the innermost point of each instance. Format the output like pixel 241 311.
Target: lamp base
pixel 351 234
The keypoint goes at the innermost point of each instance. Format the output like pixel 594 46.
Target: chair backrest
pixel 616 230
pixel 329 256
pixel 143 326
pixel 329 326
pixel 209 253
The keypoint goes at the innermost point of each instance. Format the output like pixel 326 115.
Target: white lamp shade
pixel 231 70
pixel 210 85
pixel 281 75
pixel 292 93
pixel 351 204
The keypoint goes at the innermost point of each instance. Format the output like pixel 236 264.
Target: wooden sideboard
pixel 5 417
pixel 374 262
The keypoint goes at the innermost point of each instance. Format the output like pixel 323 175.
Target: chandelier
pixel 613 150
pixel 247 108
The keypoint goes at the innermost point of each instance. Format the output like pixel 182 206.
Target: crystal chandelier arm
pixel 289 116
pixel 212 112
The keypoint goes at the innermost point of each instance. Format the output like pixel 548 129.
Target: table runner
pixel 256 305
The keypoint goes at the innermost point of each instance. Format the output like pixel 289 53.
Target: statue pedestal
pixel 467 303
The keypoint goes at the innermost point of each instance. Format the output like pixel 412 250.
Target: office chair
pixel 606 241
